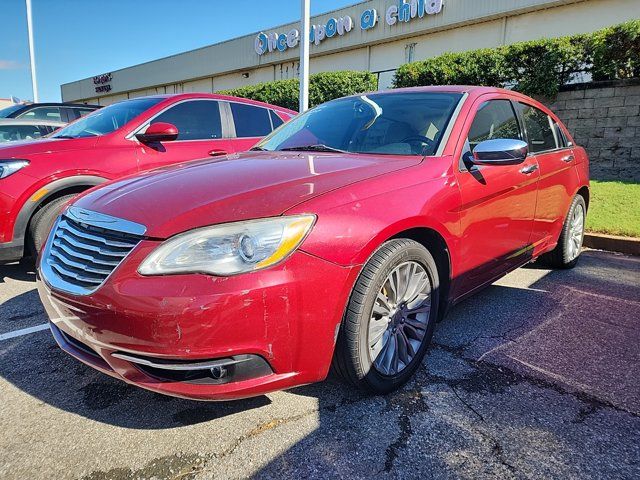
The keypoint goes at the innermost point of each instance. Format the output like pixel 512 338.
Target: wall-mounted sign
pixel 402 11
pixel 102 83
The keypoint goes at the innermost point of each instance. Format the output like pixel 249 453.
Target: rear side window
pixel 250 121
pixel 43 113
pixel 561 140
pixel 195 120
pixel 539 129
pixel 10 133
pixel 276 121
pixel 494 119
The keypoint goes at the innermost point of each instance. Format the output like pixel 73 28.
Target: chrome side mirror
pixel 500 151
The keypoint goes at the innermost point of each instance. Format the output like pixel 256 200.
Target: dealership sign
pixel 402 11
pixel 102 83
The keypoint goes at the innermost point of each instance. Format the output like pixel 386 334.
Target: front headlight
pixel 7 167
pixel 229 249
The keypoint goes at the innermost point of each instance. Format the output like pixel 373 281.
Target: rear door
pixel 498 202
pixel 203 132
pixel 558 178
pixel 250 123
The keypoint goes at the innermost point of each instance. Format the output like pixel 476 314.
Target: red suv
pixel 37 178
pixel 342 237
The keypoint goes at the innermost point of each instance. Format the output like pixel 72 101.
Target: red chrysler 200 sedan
pixel 340 239
pixel 38 178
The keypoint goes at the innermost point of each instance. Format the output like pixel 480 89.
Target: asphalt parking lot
pixel 535 377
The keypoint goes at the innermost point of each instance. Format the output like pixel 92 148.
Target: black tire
pixel 41 223
pixel 560 256
pixel 351 359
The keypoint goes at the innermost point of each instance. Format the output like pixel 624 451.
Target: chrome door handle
pixel 217 153
pixel 529 169
pixel 568 158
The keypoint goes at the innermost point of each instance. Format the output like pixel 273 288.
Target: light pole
pixel 304 56
pixel 32 58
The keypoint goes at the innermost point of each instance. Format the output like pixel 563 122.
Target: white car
pixel 17 129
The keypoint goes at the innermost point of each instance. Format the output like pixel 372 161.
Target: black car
pixel 55 112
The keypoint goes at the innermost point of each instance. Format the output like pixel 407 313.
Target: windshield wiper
pixel 313 148
pixel 64 136
pixel 257 149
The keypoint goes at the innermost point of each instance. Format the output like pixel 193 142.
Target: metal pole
pixel 304 56
pixel 32 57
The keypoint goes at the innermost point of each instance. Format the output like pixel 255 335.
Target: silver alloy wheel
pixel 576 232
pixel 399 319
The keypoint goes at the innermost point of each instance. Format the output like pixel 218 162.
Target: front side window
pixel 494 119
pixel 539 129
pixel 379 123
pixel 81 112
pixel 250 121
pixel 107 119
pixel 195 120
pixel 42 113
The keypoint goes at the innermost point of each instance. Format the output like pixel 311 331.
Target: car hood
pixel 239 187
pixel 26 148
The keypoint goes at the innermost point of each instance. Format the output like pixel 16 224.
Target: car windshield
pixel 5 112
pixel 410 123
pixel 108 119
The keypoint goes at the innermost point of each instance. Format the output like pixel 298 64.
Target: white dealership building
pixel 374 35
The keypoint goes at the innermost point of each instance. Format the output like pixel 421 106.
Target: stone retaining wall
pixel 604 117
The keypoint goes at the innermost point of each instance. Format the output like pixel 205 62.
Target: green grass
pixel 614 208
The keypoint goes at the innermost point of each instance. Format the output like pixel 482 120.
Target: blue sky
pixel 76 39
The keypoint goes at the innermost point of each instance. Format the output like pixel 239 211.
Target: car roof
pixel 20 121
pixel 470 89
pixel 217 96
pixel 59 104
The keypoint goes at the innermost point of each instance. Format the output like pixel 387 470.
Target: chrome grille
pixel 84 247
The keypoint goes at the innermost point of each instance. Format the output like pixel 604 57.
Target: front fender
pixel 40 196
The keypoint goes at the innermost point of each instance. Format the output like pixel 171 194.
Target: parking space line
pixel 23 331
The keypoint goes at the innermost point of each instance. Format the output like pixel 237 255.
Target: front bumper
pixel 285 316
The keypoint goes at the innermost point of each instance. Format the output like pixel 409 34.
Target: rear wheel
pixel 567 252
pixel 390 318
pixel 41 223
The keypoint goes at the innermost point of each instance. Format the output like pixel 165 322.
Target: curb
pixel 612 243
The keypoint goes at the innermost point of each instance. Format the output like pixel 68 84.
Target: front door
pixel 498 201
pixel 201 134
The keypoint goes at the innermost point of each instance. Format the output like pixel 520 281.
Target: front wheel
pixel 567 252
pixel 41 223
pixel 390 318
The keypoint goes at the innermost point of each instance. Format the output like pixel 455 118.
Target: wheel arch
pixel 53 190
pixel 584 193
pixel 433 241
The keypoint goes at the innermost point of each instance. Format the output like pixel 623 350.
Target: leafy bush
pixel 537 67
pixel 322 88
pixel 616 51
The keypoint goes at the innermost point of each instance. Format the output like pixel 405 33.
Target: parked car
pixel 54 112
pixel 19 129
pixel 37 178
pixel 342 237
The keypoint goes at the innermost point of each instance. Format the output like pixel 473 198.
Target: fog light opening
pixel 218 372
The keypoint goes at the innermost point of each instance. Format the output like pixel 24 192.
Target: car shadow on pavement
pixel 521 381
pixel 23 271
pixel 532 371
